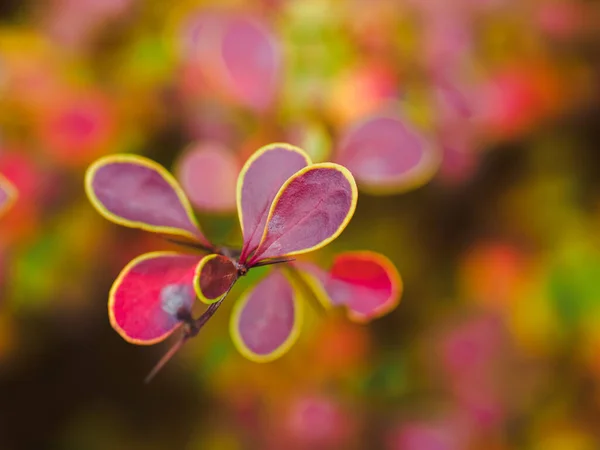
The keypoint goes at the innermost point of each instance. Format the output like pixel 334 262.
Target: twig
pixel 273 261
pixel 192 328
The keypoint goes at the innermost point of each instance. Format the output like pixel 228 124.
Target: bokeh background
pixel 496 342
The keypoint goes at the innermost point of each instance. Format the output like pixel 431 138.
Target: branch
pixel 192 328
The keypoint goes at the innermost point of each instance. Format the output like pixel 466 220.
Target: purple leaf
pixel 266 322
pixel 310 210
pixel 137 192
pixel 260 179
pixel 208 173
pixel 151 295
pixel 386 155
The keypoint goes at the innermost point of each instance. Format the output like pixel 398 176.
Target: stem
pixel 197 325
pixel 192 329
pixel 273 261
pixel 166 358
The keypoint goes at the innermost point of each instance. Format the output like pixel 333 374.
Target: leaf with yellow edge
pixel 258 183
pixel 214 277
pixel 310 210
pixel 137 192
pixel 152 296
pixel 266 321
pixel 366 283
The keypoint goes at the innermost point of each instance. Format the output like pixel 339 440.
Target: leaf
pixel 8 194
pixel 266 321
pixel 214 277
pixel 136 192
pixel 386 155
pixel 251 61
pixel 208 172
pixel 367 283
pixel 151 296
pixel 310 210
pixel 260 179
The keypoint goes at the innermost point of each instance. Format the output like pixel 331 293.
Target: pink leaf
pixel 208 173
pixel 266 321
pixel 386 154
pixel 151 295
pixel 260 179
pixel 367 283
pixel 310 210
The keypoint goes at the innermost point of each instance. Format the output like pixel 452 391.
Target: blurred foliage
pixel 496 342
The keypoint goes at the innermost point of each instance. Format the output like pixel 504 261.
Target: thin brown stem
pixel 192 328
pixel 271 262
pixel 197 325
pixel 166 358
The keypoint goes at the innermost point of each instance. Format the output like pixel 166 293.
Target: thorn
pixel 192 328
pixel 274 261
pixel 165 359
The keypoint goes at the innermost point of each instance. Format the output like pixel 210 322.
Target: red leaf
pixel 214 277
pixel 150 296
